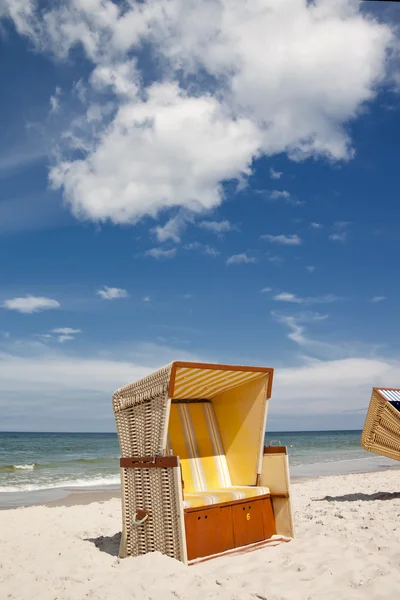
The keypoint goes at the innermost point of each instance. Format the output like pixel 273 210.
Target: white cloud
pixel 65 334
pixel 296 323
pixel 61 334
pixel 340 234
pixel 55 101
pixel 65 338
pixel 310 268
pixel 217 226
pixel 111 293
pixel 163 146
pixel 338 237
pixel 172 228
pixel 316 225
pixel 275 174
pixel 203 248
pixel 70 373
pixel 341 224
pixel 305 92
pixel 237 259
pixel 161 253
pixel 284 240
pixel 296 330
pixel 325 347
pixel 333 386
pixel 292 298
pixel 277 194
pixel 378 299
pixel 266 289
pixel 146 299
pixel 141 161
pixel 284 195
pixel 275 260
pixel 30 304
pixel 84 383
pixel 66 331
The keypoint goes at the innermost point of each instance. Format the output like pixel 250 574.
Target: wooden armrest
pixel 275 450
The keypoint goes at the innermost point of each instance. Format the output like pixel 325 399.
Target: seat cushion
pixel 223 495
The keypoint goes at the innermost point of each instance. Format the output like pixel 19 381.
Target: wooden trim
pixel 280 496
pixel 190 401
pixel 230 503
pixel 171 384
pixel 242 549
pixel 269 388
pixel 378 390
pixel 220 367
pixel 149 462
pixel 217 367
pixel 275 450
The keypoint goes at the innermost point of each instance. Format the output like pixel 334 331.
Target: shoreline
pixel 49 469
pixel 81 496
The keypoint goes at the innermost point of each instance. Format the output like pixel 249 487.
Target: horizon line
pixel 115 432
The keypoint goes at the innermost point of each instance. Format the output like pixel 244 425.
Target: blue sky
pixel 223 188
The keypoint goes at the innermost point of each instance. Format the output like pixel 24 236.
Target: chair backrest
pixel 193 435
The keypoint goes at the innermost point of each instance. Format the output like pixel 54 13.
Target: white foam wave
pixel 112 480
pixel 24 467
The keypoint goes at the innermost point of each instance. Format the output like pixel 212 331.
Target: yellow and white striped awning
pixel 201 380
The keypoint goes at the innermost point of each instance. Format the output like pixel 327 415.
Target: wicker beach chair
pixel 196 479
pixel 381 433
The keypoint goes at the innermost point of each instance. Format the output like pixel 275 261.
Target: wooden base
pixel 221 527
pixel 271 542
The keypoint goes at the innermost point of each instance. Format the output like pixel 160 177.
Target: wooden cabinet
pixel 268 518
pixel 214 529
pixel 209 531
pixel 248 524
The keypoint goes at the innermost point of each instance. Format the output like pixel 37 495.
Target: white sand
pixel 346 548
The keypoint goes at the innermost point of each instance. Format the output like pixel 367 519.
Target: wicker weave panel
pixel 381 433
pixel 148 387
pixel 141 427
pixel 159 492
pixel 141 413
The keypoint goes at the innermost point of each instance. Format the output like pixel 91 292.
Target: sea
pixel 42 467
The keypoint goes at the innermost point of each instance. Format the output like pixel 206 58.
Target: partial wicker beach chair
pixel 196 479
pixel 381 433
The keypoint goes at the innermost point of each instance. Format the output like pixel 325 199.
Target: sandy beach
pixel 347 546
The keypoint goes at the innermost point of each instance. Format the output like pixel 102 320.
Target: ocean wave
pixel 112 480
pixel 90 461
pixel 315 461
pixel 12 468
pixel 57 465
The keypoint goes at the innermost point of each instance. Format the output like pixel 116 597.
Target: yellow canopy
pixel 191 380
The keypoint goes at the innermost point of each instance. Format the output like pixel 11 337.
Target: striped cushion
pixel 224 495
pixel 194 437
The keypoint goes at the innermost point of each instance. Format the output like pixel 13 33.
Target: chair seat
pixel 223 495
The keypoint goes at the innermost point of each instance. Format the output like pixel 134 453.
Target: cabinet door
pixel 269 518
pixel 248 524
pixel 208 531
